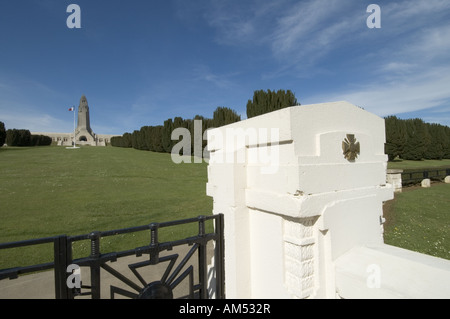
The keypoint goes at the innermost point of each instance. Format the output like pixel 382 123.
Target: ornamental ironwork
pixel 195 274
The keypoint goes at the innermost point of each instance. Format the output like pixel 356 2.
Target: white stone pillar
pixel 394 177
pixel 303 187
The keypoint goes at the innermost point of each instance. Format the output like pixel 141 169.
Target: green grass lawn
pixel 419 219
pixel 404 164
pixel 46 191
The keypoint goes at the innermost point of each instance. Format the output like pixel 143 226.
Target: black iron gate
pixel 194 273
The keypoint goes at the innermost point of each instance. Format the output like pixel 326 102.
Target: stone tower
pixel 84 132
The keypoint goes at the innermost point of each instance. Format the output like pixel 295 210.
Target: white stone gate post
pixel 298 188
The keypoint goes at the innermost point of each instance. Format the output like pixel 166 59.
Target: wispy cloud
pixel 294 34
pixel 18 110
pixel 28 118
pixel 311 28
pixel 239 22
pixel 408 71
pixel 423 91
pixel 406 15
pixel 308 30
pixel 203 73
pixel 233 47
pixel 413 76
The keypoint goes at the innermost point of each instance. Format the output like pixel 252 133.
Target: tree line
pixel 413 139
pixel 265 102
pixel 15 137
pixel 158 138
pixel 410 139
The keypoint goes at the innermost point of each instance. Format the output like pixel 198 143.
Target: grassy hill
pixel 46 191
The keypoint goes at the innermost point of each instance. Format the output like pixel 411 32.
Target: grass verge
pixel 418 219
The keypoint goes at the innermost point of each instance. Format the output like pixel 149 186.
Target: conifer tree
pixel 126 140
pixel 418 140
pixel 156 138
pixel 15 137
pixel 223 116
pixel 264 102
pixel 446 130
pixel 2 134
pixel 166 136
pixel 438 143
pixel 396 137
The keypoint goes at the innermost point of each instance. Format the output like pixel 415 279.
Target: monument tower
pixel 84 132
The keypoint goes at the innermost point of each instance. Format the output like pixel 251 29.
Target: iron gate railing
pixel 98 261
pixel 414 176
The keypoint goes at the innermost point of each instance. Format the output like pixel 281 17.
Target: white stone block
pixel 267 254
pixel 383 271
pixel 323 178
pixel 353 222
pixel 226 184
pixel 426 183
pixel 237 250
pixel 394 177
pixel 334 117
pixel 285 180
pixel 295 222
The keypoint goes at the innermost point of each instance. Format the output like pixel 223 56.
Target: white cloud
pixel 409 14
pixel 412 94
pixel 398 67
pixel 240 22
pixel 35 122
pixel 21 105
pixel 406 61
pixel 203 73
pixel 310 26
pixel 409 71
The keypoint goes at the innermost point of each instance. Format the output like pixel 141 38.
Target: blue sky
pixel 142 62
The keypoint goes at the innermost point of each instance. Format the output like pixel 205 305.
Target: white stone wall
pixel 394 177
pixel 292 203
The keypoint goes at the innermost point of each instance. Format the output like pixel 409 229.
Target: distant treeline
pixel 413 139
pixel 410 139
pixel 15 137
pixel 158 138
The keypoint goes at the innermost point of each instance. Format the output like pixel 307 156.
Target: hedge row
pixel 15 137
pixel 159 138
pixel 413 139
